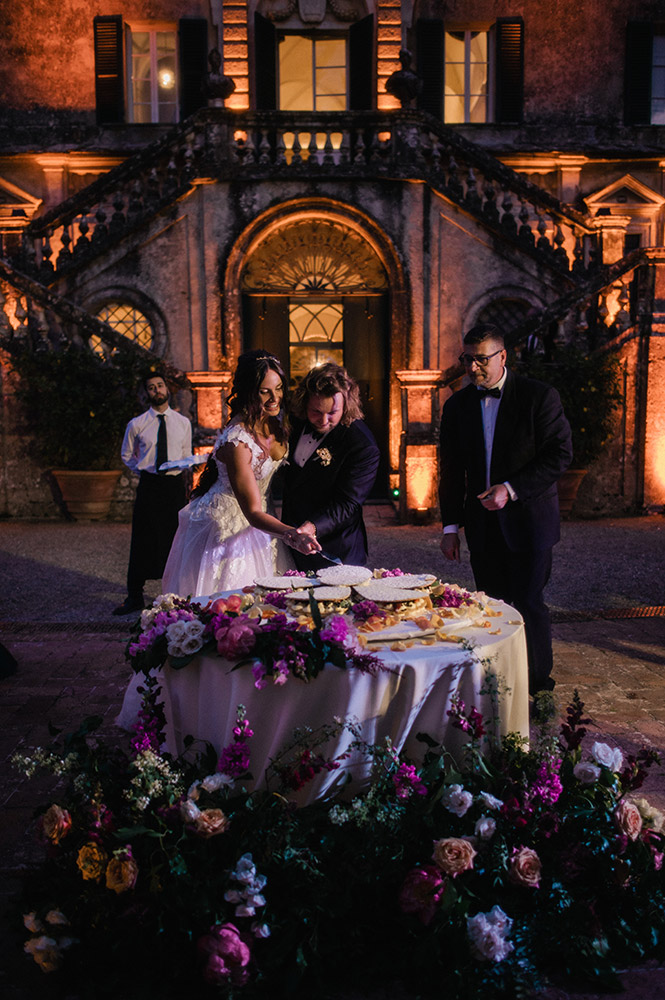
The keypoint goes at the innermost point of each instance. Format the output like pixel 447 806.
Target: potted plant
pixel 77 404
pixel 589 384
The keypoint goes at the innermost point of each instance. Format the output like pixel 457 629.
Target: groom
pixel 333 459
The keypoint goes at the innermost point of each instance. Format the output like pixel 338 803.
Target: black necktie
pixel 162 446
pixel 495 393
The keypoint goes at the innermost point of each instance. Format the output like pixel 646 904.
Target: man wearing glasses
pixel 504 443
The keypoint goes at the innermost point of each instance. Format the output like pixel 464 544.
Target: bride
pixel 226 536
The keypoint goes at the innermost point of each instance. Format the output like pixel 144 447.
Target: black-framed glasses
pixel 480 359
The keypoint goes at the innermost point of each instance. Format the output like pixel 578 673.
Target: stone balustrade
pixel 225 145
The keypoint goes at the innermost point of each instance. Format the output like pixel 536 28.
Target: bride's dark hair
pixel 244 401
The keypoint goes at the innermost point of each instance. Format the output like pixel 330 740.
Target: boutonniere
pixel 323 455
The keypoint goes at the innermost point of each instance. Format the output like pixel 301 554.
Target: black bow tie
pixel 495 393
pixel 313 433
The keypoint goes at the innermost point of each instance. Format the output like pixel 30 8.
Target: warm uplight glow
pixel 659 464
pixel 421 477
pixel 239 136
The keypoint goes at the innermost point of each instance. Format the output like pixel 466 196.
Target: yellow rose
pixel 92 861
pixel 210 822
pixel 56 823
pixel 453 855
pixel 525 867
pixel 121 873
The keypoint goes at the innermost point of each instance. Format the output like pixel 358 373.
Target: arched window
pixel 127 320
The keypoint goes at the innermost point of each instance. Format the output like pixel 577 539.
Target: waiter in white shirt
pixel 156 436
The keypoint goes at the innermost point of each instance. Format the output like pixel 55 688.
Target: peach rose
pixel 628 818
pixel 453 855
pixel 210 822
pixel 56 823
pixel 121 873
pixel 525 867
pixel 92 861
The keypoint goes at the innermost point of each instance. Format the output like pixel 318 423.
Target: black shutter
pixel 637 79
pixel 265 64
pixel 509 70
pixel 362 65
pixel 429 53
pixel 192 63
pixel 109 77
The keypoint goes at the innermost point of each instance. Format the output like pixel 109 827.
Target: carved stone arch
pixel 347 224
pixel 506 306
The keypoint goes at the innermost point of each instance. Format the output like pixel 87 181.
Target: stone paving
pixel 54 618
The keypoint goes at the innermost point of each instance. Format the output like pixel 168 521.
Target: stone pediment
pixel 17 207
pixel 623 196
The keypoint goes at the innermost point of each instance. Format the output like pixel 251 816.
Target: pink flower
pixel 422 892
pixel 628 818
pixel 235 641
pixel 453 855
pixel 225 955
pixel 525 867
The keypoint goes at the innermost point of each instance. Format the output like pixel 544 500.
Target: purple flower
pixel 336 630
pixel 406 782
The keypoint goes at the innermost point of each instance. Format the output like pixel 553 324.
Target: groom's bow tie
pixel 495 393
pixel 312 431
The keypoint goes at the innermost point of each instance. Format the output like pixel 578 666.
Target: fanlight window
pixel 316 335
pixel 127 320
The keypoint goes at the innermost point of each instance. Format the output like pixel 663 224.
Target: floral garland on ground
pixel 272 644
pixel 493 875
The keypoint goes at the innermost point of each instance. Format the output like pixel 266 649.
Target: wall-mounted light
pixel 166 79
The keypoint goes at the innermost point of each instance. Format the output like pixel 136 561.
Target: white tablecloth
pixel 413 696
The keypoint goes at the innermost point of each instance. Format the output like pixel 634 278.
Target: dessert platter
pixel 387 609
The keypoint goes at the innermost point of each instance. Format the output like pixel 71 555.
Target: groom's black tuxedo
pixel 330 489
pixel 510 549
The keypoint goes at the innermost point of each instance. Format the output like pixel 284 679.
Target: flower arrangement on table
pixel 234 627
pixel 494 875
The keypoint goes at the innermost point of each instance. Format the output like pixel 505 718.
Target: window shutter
pixel 265 64
pixel 109 79
pixel 362 65
pixel 429 51
pixel 509 72
pixel 638 69
pixel 192 63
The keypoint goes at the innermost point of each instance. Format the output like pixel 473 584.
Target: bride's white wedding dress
pixel 214 547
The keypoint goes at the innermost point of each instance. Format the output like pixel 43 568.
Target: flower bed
pixel 488 877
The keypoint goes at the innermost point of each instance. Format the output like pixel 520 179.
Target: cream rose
pixel 453 855
pixel 606 756
pixel 210 822
pixel 628 818
pixel 525 867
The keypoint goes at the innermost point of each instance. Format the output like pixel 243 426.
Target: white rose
pixel 606 756
pixel 652 817
pixel 485 828
pixel 487 938
pixel 190 645
pixel 500 920
pixel 214 782
pixel 148 616
pixel 175 632
pixel 165 602
pixel 194 629
pixel 456 800
pixel 490 801
pixel 586 772
pixel 173 649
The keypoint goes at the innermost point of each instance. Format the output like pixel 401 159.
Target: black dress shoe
pixel 128 605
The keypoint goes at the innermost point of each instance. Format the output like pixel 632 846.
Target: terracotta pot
pixel 87 495
pixel 567 486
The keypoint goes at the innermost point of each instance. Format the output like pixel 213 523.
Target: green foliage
pixel 590 388
pixel 77 403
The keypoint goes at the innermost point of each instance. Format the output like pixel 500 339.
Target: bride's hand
pixel 302 541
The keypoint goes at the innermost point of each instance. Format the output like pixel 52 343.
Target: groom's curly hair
pixel 328 380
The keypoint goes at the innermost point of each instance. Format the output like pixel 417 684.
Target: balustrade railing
pixel 226 145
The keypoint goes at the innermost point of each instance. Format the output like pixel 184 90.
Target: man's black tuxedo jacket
pixel 332 495
pixel 531 448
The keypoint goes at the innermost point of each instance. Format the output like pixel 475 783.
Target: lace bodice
pixel 220 502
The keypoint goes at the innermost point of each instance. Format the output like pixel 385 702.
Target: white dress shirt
pixel 139 446
pixel 307 445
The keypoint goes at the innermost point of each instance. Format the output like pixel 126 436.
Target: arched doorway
pixel 313 290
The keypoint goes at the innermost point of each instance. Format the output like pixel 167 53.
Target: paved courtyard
pixel 61 581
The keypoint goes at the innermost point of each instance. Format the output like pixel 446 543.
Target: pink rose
pixel 209 822
pixel 225 955
pixel 422 892
pixel 453 855
pixel 236 641
pixel 525 867
pixel 628 818
pixel 56 823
